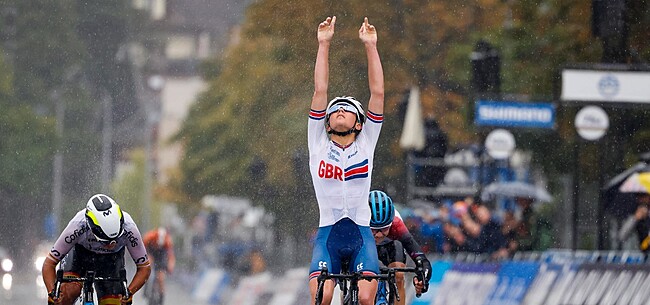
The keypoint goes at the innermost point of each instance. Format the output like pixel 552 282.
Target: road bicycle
pixel 349 282
pixel 393 292
pixel 88 291
pixel 153 290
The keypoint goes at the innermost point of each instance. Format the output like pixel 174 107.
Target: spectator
pixel 491 240
pixel 431 232
pixel 532 232
pixel 638 222
pixel 509 231
pixel 457 239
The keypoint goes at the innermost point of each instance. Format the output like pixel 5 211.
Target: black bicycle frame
pixel 88 281
pixel 349 283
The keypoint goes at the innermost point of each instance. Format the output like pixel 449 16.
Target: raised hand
pixel 326 29
pixel 367 32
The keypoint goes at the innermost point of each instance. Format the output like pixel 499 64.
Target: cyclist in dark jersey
pixel 394 242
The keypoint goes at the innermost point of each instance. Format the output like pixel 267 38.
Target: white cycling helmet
pixel 104 217
pixel 361 115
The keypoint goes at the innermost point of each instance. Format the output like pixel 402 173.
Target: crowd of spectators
pixel 470 226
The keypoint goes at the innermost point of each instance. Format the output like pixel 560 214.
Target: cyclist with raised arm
pixel 393 241
pixel 94 240
pixel 341 167
pixel 160 248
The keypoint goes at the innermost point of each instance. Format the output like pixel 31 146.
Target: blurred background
pixel 192 115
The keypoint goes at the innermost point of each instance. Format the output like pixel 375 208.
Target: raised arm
pixel 321 70
pixel 368 35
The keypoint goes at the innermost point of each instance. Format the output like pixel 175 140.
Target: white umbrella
pixel 515 189
pixel 413 137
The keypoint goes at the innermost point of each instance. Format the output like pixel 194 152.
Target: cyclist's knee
pixel 328 291
pixel 70 292
pixel 399 279
pixel 366 299
pixel 367 292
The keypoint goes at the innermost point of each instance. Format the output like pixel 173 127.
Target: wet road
pixel 26 290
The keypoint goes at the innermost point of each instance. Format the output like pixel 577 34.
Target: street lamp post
pixel 155 84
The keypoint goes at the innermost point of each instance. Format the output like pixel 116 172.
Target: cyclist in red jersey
pixel 393 241
pixel 160 248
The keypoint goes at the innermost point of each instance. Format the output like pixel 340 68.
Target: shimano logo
pixel 76 234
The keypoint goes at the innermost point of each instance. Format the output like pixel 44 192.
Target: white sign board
pixel 500 144
pixel 606 86
pixel 592 122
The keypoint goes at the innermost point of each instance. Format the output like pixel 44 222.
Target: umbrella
pixel 515 189
pixel 622 203
pixel 636 183
pixel 413 136
pixel 612 186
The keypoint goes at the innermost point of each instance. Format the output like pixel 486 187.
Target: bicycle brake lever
pixel 57 285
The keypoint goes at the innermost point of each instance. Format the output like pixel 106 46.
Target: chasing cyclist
pixel 160 248
pixel 341 167
pixel 393 241
pixel 95 239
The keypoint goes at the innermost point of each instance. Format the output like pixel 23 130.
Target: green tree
pixel 256 105
pixel 27 144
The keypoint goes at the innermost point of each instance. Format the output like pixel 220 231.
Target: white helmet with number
pixel 104 217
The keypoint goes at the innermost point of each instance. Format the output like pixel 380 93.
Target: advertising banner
pixel 514 114
pixel 597 283
pixel 287 288
pixel 547 275
pixel 467 284
pixel 251 289
pixel 212 286
pixel 605 86
pixel 513 280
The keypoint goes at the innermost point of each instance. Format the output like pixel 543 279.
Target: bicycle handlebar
pixel 419 274
pixel 387 274
pixel 89 279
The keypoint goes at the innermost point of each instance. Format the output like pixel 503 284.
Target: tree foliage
pixel 57 52
pixel 255 110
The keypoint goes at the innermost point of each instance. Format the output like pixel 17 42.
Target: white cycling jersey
pixel 341 175
pixel 78 232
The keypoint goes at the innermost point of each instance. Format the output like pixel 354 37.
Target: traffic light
pixel 486 68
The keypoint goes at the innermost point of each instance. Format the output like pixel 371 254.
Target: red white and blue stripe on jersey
pixel 377 118
pixel 317 114
pixel 359 170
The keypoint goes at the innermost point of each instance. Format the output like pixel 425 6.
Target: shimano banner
pixel 514 114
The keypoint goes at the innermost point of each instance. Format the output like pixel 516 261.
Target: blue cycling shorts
pixel 344 241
